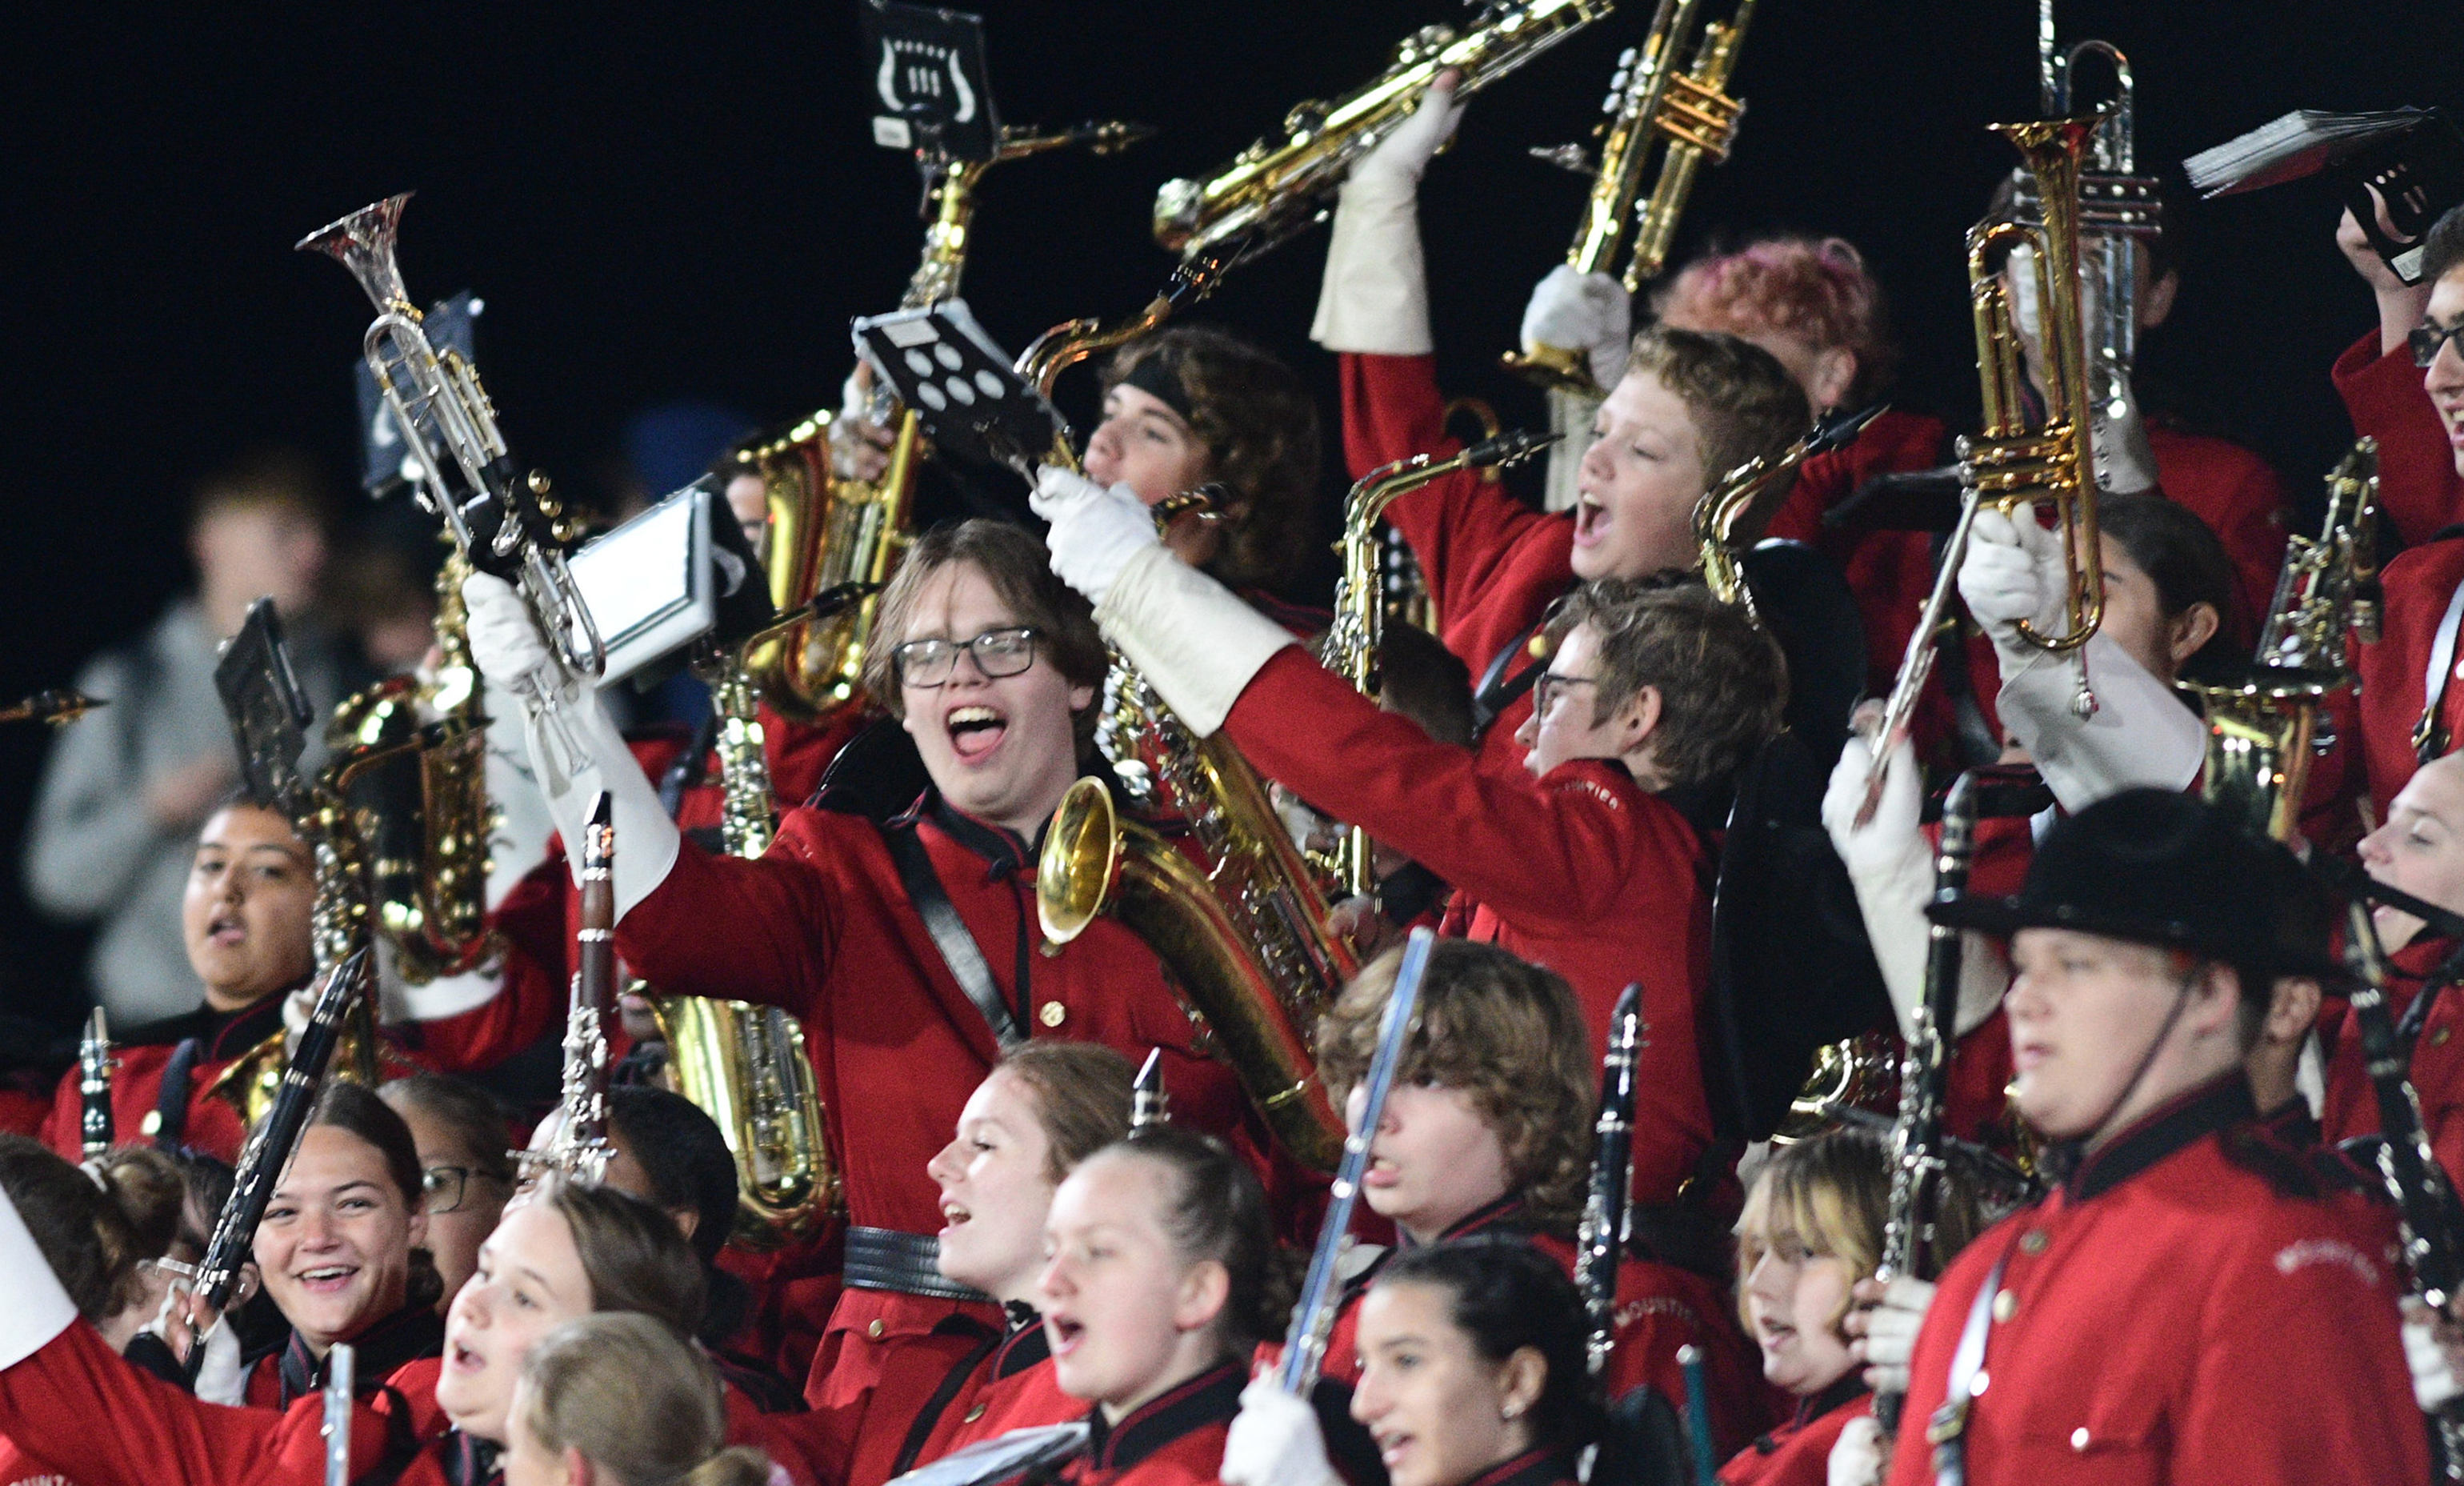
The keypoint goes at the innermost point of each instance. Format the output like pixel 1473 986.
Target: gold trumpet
pixel 2009 465
pixel 59 706
pixel 1650 101
pixel 1093 862
pixel 1276 189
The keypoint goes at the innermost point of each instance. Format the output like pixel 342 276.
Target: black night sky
pixel 684 201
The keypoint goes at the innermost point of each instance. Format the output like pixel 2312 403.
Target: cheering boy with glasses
pixel 908 948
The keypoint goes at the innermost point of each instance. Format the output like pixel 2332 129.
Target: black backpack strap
pixel 958 948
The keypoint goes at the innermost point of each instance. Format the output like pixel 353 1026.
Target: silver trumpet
pixel 504 522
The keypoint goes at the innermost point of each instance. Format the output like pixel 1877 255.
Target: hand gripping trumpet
pixel 504 522
pixel 1276 189
pixel 2009 465
pixel 1649 100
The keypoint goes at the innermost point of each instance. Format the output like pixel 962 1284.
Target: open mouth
pixel 1590 521
pixel 461 1359
pixel 974 732
pixel 327 1278
pixel 954 1217
pixel 1392 1446
pixel 227 930
pixel 1381 1173
pixel 1064 1333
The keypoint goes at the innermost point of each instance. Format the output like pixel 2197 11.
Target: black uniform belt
pixel 884 1258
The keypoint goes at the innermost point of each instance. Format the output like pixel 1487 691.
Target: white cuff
pixel 577 752
pixel 1194 639
pixel 1375 296
pixel 38 1308
pixel 398 1001
pixel 1891 898
pixel 2142 736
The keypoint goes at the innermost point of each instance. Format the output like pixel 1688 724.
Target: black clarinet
pixel 1600 1243
pixel 582 1149
pixel 276 1136
pixel 1915 1143
pixel 2424 1200
pixel 94 1086
pixel 1150 1102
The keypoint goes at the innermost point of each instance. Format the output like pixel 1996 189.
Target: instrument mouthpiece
pixel 1508 447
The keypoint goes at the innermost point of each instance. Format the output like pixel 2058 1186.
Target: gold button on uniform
pixel 2005 1303
pixel 974 1414
pixel 2032 1242
pixel 152 1124
pixel 875 1330
pixel 2079 1437
pixel 1052 1013
pixel 2438 1039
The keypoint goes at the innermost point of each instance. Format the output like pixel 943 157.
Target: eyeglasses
pixel 443 1188
pixel 2427 341
pixel 998 652
pixel 1550 686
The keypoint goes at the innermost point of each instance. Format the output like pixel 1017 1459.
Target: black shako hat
pixel 2156 867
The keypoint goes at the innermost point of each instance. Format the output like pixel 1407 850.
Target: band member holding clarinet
pixel 2148 937
pixel 909 949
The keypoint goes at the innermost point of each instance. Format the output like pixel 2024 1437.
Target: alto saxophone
pixel 1649 100
pixel 1359 630
pixel 2263 722
pixel 1275 190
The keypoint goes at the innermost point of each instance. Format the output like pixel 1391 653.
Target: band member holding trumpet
pixel 910 950
pixel 1584 861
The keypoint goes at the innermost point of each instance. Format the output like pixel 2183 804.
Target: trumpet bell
pixel 1081 854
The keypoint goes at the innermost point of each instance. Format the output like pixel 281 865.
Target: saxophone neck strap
pixel 957 947
pixel 1498 691
pixel 2430 734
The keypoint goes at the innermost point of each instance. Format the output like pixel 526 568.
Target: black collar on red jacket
pixel 470 1461
pixel 1005 853
pixel 1541 1467
pixel 2213 1106
pixel 1847 1390
pixel 1212 1397
pixel 1506 1217
pixel 224 1035
pixel 407 1335
pixel 1027 1344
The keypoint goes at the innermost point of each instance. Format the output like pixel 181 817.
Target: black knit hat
pixel 2155 867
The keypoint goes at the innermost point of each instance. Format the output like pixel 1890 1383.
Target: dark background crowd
pixel 666 206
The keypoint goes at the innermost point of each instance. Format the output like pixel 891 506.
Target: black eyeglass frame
pixel 908 660
pixel 2427 341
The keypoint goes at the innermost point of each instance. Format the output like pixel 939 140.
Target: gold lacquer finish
pixel 2263 723
pixel 1277 188
pixel 1093 862
pixel 747 1068
pixel 59 707
pixel 1651 102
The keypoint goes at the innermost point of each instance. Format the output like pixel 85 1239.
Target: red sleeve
pixel 2418 486
pixel 532 990
pixel 759 931
pixel 1518 844
pixel 2236 493
pixel 64 1124
pixel 1463 529
pixel 75 1400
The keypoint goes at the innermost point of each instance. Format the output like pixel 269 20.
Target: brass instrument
pixel 2262 723
pixel 1276 189
pixel 745 1065
pixel 829 532
pixel 1093 862
pixel 1746 490
pixel 502 521
pixel 1859 1072
pixel 1649 100
pixel 1353 639
pixel 2008 465
pixel 59 706
pixel 2117 206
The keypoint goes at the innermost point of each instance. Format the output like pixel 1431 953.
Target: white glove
pixel 1891 1330
pixel 1590 313
pixel 1856 1457
pixel 859 437
pixel 297 1007
pixel 1889 863
pixel 39 1307
pixel 2013 573
pixel 2434 1375
pixel 575 747
pixel 2140 735
pixel 1274 1441
pixel 1375 296
pixel 1095 532
pixel 220 1379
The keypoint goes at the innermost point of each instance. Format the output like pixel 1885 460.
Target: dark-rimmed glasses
pixel 443 1188
pixel 2427 341
pixel 998 653
pixel 1550 686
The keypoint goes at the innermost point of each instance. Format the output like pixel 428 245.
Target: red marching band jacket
pixel 2438 1059
pixel 1176 1439
pixel 159 1079
pixel 823 926
pixel 2195 1303
pixel 1798 1453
